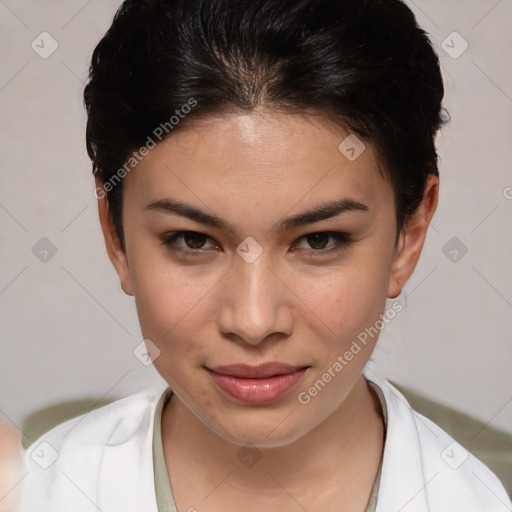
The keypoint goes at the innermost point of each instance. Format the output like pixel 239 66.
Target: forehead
pixel 260 155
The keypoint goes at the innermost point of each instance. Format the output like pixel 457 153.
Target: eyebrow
pixel 320 212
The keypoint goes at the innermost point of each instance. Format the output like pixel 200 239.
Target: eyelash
pixel 344 240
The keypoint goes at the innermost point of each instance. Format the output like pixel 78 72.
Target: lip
pixel 261 371
pixel 261 384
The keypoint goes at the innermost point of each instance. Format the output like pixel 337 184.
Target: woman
pixel 266 174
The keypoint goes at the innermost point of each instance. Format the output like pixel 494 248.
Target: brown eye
pixel 318 240
pixel 194 240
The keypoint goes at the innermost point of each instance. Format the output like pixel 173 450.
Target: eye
pixel 193 242
pixel 318 241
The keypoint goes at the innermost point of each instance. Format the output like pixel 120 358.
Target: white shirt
pixel 103 461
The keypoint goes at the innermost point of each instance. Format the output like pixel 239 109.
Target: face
pixel 288 256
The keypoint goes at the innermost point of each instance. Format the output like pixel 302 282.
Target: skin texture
pixel 289 305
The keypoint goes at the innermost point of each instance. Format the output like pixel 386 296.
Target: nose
pixel 256 304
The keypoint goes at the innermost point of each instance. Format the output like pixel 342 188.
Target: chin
pixel 258 432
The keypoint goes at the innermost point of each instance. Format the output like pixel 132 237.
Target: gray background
pixel 66 328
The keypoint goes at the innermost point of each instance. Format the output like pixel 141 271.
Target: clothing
pixel 163 491
pixel 104 460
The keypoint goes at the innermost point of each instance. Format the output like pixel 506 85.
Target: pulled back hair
pixel 363 64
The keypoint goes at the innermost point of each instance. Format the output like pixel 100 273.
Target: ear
pixel 412 238
pixel 115 252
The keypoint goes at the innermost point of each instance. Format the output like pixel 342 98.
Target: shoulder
pixel 452 466
pixel 424 468
pixel 118 419
pixel 79 459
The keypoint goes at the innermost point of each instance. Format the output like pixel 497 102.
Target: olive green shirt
pixel 164 497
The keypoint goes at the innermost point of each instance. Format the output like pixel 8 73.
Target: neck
pixel 344 450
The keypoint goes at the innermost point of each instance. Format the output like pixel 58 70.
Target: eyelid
pixel 343 239
pixel 168 240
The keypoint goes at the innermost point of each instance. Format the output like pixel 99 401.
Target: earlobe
pixel 395 286
pixel 412 239
pixel 115 252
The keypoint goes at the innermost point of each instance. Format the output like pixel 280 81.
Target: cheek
pixel 171 310
pixel 170 299
pixel 349 300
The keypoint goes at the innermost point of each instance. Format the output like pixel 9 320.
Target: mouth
pixel 261 384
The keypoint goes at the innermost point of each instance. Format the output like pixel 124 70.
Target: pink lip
pixel 256 384
pixel 256 372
